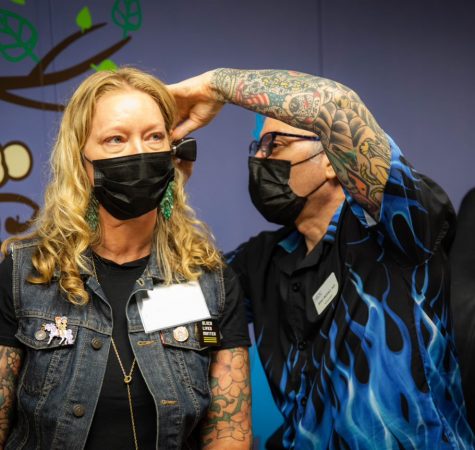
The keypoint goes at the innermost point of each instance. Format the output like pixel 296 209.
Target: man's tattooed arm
pixel 354 142
pixel 228 423
pixel 10 363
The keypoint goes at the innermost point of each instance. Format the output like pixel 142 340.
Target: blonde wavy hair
pixel 184 246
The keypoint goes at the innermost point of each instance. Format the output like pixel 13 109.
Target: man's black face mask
pixel 270 191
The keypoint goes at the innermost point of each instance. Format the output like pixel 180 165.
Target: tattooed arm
pixel 10 362
pixel 228 423
pixel 355 144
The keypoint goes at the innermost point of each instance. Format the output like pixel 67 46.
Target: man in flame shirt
pixel 350 298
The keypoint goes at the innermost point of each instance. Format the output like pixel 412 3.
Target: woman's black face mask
pixel 130 186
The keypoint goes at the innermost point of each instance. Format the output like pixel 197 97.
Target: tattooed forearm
pixel 228 424
pixel 10 362
pixel 354 142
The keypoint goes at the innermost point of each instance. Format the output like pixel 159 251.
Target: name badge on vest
pixel 208 333
pixel 168 306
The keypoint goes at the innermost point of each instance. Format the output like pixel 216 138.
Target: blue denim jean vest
pixel 59 384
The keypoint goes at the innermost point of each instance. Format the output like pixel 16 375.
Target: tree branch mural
pixel 18 41
pixel 16 163
pixel 19 37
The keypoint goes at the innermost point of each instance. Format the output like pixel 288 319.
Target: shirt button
pixel 296 286
pixel 302 345
pixel 96 344
pixel 303 401
pixel 79 410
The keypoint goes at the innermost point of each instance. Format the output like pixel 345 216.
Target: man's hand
pixel 197 104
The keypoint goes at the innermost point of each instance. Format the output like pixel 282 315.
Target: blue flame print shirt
pixel 355 337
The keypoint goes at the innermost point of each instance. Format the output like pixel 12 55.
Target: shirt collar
pixel 291 242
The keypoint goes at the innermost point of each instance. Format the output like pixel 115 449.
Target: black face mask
pixel 130 186
pixel 270 191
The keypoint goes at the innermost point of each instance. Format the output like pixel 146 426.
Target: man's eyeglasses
pixel 266 143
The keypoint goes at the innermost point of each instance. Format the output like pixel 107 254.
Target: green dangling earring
pixel 92 216
pixel 166 203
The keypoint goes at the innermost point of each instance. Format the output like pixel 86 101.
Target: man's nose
pixel 260 154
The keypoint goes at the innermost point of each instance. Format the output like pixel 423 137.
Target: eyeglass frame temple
pixel 274 134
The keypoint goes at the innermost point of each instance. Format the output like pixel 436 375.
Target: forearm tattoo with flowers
pixel 10 363
pixel 354 142
pixel 229 414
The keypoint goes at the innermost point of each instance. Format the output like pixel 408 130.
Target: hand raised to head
pixel 197 104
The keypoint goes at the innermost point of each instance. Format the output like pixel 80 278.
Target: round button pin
pixel 181 334
pixel 41 335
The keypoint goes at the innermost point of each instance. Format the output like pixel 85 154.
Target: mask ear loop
pixel 92 211
pixel 83 156
pixel 307 159
pixel 316 189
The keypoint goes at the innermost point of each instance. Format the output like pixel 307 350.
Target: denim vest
pixel 59 384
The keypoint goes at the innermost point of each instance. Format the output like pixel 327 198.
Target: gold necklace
pixel 127 378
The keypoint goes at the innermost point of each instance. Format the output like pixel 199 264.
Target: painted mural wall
pixel 412 62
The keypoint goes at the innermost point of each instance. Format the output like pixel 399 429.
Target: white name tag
pixel 326 293
pixel 169 306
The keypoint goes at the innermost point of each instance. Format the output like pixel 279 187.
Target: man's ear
pixel 328 168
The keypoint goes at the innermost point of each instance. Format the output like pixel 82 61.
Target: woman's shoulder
pixel 19 244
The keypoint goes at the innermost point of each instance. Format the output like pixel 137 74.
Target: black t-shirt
pixel 111 426
pixel 462 258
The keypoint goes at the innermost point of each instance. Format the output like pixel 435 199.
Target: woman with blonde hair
pixel 120 326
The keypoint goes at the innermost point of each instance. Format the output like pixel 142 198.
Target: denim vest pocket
pixel 45 359
pixel 190 357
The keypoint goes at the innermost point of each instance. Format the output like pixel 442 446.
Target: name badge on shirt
pixel 172 305
pixel 326 293
pixel 208 333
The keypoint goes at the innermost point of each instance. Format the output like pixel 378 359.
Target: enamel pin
pixel 208 333
pixel 58 329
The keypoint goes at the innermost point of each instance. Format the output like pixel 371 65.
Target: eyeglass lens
pixel 266 143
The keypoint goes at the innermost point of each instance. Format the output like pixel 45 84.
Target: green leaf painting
pixel 84 19
pixel 18 37
pixel 107 64
pixel 127 15
pixel 18 2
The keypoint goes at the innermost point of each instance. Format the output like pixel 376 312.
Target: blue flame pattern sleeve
pixel 415 212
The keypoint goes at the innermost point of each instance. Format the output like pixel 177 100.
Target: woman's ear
pixel 186 167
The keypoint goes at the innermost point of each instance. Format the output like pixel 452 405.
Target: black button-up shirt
pixel 374 367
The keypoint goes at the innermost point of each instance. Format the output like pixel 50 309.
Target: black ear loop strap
pixel 308 159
